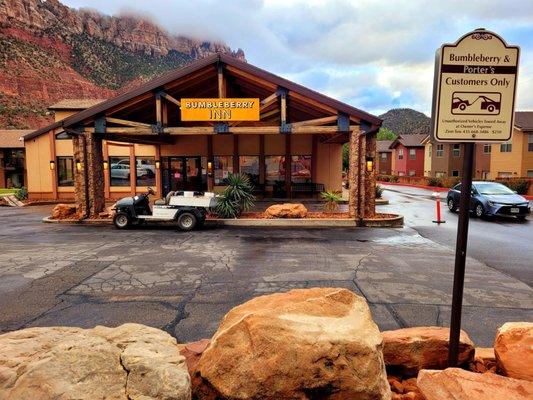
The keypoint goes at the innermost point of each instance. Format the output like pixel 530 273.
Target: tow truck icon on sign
pixel 476 103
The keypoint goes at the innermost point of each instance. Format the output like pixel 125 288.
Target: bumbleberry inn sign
pixel 474 89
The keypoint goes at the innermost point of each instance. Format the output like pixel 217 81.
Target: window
pixel 530 173
pixel 222 168
pixel 485 175
pixel 301 169
pixel 401 173
pixel 63 136
pixel 400 154
pixel 145 171
pixel 506 147
pixel 440 150
pixel 439 174
pixel 455 173
pixel 530 142
pixel 119 171
pixel 65 171
pixel 487 148
pixel 412 172
pixel 383 156
pixel 274 169
pixel 250 165
pixel 412 154
pixel 456 152
pixel 430 150
pixel 505 174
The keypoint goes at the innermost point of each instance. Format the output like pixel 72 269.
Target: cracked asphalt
pixel 184 283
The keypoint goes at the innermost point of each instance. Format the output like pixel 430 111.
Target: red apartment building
pixel 408 155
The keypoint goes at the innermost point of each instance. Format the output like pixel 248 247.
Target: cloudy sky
pixel 373 54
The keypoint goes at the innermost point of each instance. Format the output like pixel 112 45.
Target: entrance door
pixel 182 173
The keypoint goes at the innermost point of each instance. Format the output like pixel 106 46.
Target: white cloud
pixel 374 54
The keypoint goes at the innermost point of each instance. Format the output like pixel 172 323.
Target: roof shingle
pixel 10 138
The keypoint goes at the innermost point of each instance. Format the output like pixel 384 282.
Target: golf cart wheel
pixel 187 221
pixel 479 211
pixel 451 205
pixel 122 220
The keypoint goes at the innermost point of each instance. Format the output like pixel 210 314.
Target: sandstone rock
pixel 109 212
pixel 286 210
pixel 318 343
pixel 458 384
pixel 128 362
pixel 192 353
pixel 513 348
pixel 409 350
pixel 485 354
pixel 65 211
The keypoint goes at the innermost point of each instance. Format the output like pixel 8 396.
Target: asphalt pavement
pixel 184 282
pixel 504 244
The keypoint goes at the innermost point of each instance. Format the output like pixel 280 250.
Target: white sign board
pixel 474 89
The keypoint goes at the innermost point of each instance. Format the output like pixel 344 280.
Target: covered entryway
pixel 292 149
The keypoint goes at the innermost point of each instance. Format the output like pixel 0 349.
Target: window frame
pixel 229 166
pixel 400 154
pixel 281 162
pixel 152 181
pixel 506 147
pixel 439 148
pixel 487 146
pixel 58 168
pixel 456 150
pixel 127 181
pixel 412 154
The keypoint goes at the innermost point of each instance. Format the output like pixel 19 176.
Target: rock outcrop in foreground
pixel 458 384
pixel 131 361
pixel 304 344
pixel 409 350
pixel 513 348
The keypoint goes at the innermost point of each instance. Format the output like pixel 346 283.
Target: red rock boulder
pixel 513 348
pixel 286 210
pixel 65 211
pixel 458 384
pixel 318 343
pixel 406 351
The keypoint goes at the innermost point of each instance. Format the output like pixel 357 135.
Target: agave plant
pixel 236 198
pixel 332 199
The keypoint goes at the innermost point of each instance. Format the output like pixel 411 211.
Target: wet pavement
pixel 185 282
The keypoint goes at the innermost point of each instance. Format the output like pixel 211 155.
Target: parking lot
pixel 185 282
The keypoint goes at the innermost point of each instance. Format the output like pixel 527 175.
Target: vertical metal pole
pixel 460 254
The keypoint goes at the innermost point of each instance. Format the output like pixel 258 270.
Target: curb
pixel 49 220
pixel 284 223
pixel 394 222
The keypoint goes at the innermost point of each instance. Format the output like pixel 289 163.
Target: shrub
pixel 451 181
pixel 393 178
pixel 22 193
pixel 436 182
pixel 383 178
pixel 379 191
pixel 520 186
pixel 236 198
pixel 332 199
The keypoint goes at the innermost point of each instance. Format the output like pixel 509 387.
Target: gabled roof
pixel 11 138
pixel 75 104
pixel 524 120
pixel 383 146
pixel 159 82
pixel 409 140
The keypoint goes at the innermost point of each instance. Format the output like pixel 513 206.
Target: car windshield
pixel 493 189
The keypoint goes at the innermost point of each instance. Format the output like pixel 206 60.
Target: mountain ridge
pixel 49 52
pixel 406 121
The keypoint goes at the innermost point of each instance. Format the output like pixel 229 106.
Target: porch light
pixel 78 165
pixel 369 164
pixel 52 165
pixel 105 165
pixel 157 164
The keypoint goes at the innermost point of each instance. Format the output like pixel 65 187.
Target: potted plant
pixel 332 199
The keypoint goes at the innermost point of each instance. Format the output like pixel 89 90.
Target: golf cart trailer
pixel 188 209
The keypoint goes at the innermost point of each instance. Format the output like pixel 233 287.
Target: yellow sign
pixel 474 89
pixel 215 109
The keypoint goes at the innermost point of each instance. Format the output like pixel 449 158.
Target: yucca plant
pixel 332 199
pixel 379 191
pixel 236 198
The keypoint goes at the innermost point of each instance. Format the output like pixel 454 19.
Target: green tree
pixel 345 157
pixel 386 134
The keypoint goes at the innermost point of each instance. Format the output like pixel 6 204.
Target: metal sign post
pixel 473 101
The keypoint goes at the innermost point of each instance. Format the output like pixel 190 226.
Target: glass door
pixel 183 173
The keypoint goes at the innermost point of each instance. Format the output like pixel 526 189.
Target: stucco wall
pixel 38 157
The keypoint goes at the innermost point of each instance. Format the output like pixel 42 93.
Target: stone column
pixel 362 176
pixel 89 180
pixel 370 177
pixel 353 175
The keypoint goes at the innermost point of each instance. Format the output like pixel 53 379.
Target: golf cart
pixel 189 209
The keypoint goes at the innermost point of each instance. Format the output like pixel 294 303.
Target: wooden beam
pixel 158 110
pixel 125 122
pixel 268 100
pixel 283 107
pixel 316 122
pixel 182 130
pixel 251 78
pixel 168 97
pixel 269 113
pixel 221 81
